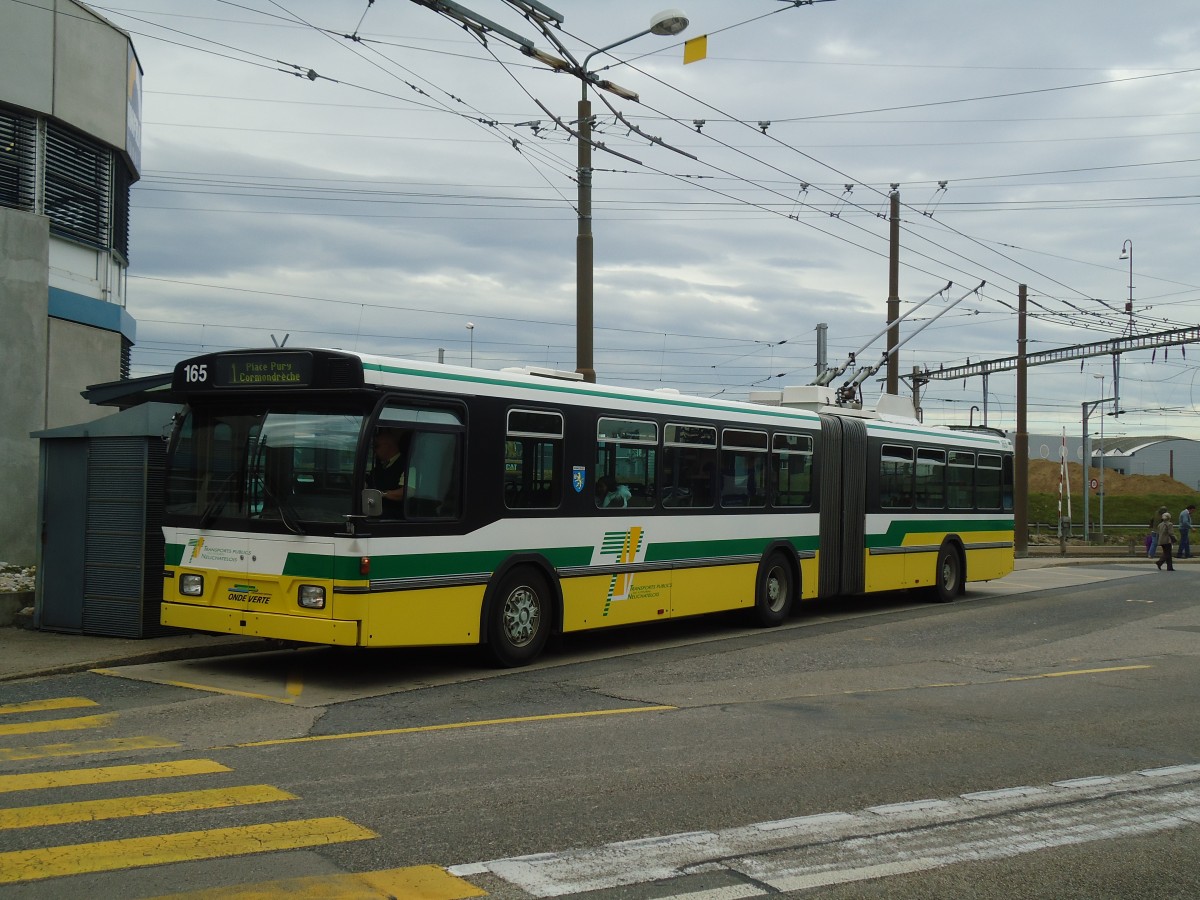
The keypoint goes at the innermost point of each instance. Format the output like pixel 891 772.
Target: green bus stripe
pixel 899 530
pixel 684 550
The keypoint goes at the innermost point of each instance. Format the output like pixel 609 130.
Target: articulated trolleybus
pixel 327 497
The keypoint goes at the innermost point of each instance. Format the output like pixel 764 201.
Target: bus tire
pixel 948 578
pixel 774 591
pixel 519 619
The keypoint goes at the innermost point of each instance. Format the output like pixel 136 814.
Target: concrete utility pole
pixel 584 248
pixel 1021 457
pixel 893 304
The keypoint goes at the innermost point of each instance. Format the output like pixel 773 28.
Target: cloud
pixel 420 182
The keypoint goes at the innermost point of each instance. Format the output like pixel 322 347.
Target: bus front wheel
pixel 519 618
pixel 774 591
pixel 948 579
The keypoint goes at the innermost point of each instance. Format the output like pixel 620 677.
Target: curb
pixel 245 646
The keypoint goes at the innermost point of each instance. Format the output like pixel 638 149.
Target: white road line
pixel 732 892
pixel 980 840
pixel 840 847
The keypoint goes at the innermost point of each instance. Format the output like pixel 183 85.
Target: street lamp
pixel 666 23
pixel 471 332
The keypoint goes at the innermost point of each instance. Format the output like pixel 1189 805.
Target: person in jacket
pixel 1166 537
pixel 1185 529
pixel 1152 547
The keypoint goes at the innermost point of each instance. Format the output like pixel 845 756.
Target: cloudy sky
pixel 367 174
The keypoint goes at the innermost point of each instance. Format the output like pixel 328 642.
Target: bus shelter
pixel 100 497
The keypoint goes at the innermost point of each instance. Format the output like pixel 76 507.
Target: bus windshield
pixel 289 465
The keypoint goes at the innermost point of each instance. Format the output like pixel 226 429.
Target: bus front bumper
pixel 304 629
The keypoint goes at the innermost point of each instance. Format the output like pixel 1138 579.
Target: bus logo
pixel 625 546
pixel 195 545
pixel 578 478
pixel 247 593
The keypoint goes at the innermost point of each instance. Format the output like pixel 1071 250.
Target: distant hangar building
pixel 1160 454
pixel 70 136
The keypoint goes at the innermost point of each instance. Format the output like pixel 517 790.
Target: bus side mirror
pixel 372 502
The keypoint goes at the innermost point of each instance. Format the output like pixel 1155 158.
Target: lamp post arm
pixel 586 76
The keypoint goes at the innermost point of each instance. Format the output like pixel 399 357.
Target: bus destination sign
pixel 262 370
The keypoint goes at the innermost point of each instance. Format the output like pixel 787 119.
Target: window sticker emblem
pixel 578 478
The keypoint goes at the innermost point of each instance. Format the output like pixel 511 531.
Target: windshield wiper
pixel 217 503
pixel 286 511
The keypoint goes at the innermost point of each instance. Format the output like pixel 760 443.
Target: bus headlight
pixel 191 585
pixel 312 596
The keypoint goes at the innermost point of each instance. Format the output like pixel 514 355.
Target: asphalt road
pixel 1040 743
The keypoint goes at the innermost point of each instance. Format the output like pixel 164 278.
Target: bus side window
pixel 533 454
pixel 432 491
pixel 960 482
pixel 987 481
pixel 931 478
pixel 432 459
pixel 626 463
pixel 743 468
pixel 690 474
pixel 896 477
pixel 792 463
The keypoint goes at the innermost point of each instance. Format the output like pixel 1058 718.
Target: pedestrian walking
pixel 1166 537
pixel 1152 547
pixel 1185 527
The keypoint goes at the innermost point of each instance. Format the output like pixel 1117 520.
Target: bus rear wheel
pixel 948 578
pixel 774 591
pixel 519 618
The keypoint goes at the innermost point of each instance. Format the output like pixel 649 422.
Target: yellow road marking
pixel 1078 672
pixel 83 748
pixel 77 724
pixel 40 705
pixel 147 805
pixel 202 687
pixel 418 729
pixel 949 684
pixel 35 781
pixel 414 883
pixel 128 853
pixel 295 684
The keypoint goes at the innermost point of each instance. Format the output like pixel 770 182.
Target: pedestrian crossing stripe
pixel 84 748
pixel 108 856
pixel 411 883
pixel 36 781
pixel 147 805
pixel 7 709
pixel 78 723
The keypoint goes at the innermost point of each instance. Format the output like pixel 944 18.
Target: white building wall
pixel 24 291
pixel 63 325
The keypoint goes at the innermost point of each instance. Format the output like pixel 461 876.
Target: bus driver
pixel 388 474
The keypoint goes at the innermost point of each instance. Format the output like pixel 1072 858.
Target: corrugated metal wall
pixel 123 543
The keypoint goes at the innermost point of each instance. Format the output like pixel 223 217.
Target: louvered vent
pixel 120 230
pixel 17 158
pixel 78 186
